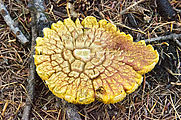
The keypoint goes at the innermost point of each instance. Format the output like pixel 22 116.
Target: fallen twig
pixel 71 112
pixel 178 42
pixel 5 14
pixel 123 11
pixel 42 20
pixel 173 105
pixel 38 18
pixel 136 30
pixel 173 83
pixel 173 37
pixel 31 79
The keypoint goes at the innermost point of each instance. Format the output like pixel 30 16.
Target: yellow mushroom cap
pixel 81 62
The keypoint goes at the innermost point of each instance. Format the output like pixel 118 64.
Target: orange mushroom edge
pixel 91 60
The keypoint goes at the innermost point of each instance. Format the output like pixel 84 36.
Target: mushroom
pixel 86 61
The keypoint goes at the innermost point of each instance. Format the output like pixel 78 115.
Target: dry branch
pixel 31 79
pixel 38 17
pixel 7 18
pixel 41 18
pixel 173 37
pixel 72 112
pixel 123 11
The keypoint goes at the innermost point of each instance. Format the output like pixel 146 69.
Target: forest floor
pixel 159 96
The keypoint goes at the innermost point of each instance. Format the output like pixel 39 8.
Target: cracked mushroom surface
pixel 88 60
